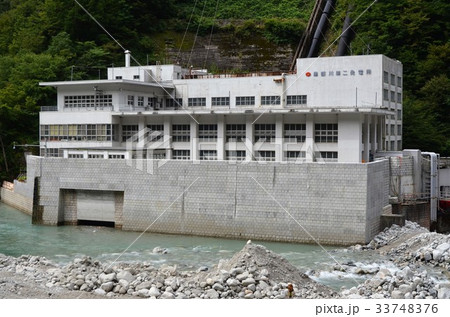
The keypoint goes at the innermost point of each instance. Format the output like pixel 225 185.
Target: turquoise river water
pixel 64 243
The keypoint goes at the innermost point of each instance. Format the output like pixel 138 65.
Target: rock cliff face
pixel 227 52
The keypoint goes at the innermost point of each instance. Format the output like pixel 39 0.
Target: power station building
pixel 332 109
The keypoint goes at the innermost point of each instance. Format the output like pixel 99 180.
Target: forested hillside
pixel 45 40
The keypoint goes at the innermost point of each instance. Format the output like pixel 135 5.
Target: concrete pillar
pixel 366 138
pixel 373 135
pixel 220 137
pixel 349 137
pixel 309 140
pixel 141 126
pixel 249 137
pixel 194 140
pixel 279 138
pixel 168 136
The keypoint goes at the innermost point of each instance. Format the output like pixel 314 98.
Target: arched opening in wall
pixel 95 223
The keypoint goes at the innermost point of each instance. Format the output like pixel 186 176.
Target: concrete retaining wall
pixel 17 200
pixel 330 203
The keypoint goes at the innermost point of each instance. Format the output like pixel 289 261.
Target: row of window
pixel 392 79
pixel 248 101
pixel 296 132
pixel 393 97
pixel 88 101
pixel 79 132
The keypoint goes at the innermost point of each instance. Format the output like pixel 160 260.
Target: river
pixel 64 243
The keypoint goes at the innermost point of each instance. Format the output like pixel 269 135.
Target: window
pixel 78 132
pixel 129 131
pixel 399 145
pixel 174 103
pixel 116 156
pixel 136 76
pixel 392 96
pixel 235 155
pixel 385 94
pixel 399 114
pixel 118 77
pixel 95 156
pixel 399 81
pixel 264 132
pixel 392 129
pixel 140 101
pixel 326 133
pixel 151 102
pixel 158 155
pixel 235 133
pixel 386 77
pixel 265 156
pixel 207 132
pixel 130 100
pixel 393 80
pixel 392 145
pixel 326 156
pixel 75 155
pixel 220 101
pixel 294 132
pixel 208 155
pixel 196 102
pixel 155 132
pixel 399 97
pixel 88 101
pixel 270 100
pixel 296 100
pixel 245 101
pixel 181 154
pixel 399 130
pixel 293 156
pixel 50 152
pixel 181 133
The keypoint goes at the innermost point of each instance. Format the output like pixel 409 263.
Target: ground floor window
pixel 116 156
pixel 128 131
pixel 264 132
pixel 326 133
pixel 208 155
pixel 181 154
pixel 292 156
pixel 235 155
pixel 326 156
pixel 207 132
pixel 265 156
pixel 73 155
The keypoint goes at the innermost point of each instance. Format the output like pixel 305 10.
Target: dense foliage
pixel 46 40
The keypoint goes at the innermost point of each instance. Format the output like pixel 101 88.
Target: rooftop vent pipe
pixel 127 58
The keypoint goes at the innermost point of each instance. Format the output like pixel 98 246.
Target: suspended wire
pixel 185 32
pixel 196 34
pixel 135 60
pixel 210 36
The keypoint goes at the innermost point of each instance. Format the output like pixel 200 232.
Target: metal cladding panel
pixel 95 205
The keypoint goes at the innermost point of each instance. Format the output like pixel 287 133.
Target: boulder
pixel 154 291
pixel 125 275
pixel 107 287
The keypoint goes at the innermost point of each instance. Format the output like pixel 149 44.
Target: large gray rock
pixel 125 275
pixel 107 287
pixel 154 291
pixel 443 293
pixel 167 295
pixel 248 281
pixel 218 287
pixel 144 285
pixel 212 294
pixel 397 295
pixel 232 282
pixel 104 278
pixel 99 291
pixel 443 247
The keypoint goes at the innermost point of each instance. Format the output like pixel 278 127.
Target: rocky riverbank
pixel 407 261
pixel 413 253
pixel 254 272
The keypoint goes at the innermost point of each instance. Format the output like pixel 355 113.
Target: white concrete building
pixel 340 109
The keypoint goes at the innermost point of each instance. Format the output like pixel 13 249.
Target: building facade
pixel 332 109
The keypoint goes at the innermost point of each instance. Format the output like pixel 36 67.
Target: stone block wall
pixel 332 203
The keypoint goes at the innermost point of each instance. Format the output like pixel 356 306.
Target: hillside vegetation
pixel 46 40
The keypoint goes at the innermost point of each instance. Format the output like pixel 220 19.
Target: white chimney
pixel 127 58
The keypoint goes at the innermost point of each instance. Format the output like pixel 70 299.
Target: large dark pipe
pixel 320 27
pixel 346 36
